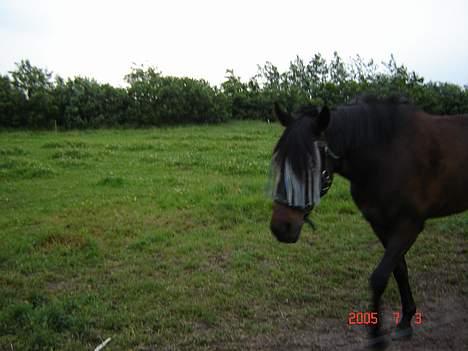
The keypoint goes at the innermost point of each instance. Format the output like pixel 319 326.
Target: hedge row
pixel 31 98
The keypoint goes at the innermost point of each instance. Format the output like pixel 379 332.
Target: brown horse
pixel 404 166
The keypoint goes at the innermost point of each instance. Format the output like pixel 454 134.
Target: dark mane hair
pixel 365 121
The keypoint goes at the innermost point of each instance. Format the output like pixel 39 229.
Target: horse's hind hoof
pixel 402 334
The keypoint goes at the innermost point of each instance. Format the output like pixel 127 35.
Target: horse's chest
pixel 374 205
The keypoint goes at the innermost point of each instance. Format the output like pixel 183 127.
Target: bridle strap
pixel 326 176
pixel 330 153
pixel 309 221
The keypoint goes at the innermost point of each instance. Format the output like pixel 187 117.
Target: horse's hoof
pixel 378 343
pixel 402 334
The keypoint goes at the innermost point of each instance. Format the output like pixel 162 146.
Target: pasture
pixel 159 239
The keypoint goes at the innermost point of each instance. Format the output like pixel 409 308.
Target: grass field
pixel 159 239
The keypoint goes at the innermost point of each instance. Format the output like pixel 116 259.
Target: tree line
pixel 31 97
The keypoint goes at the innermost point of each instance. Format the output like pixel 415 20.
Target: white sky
pixel 203 38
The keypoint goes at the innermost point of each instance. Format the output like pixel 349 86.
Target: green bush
pixel 11 104
pixel 84 103
pixel 246 100
pixel 157 100
pixel 30 98
pixel 26 98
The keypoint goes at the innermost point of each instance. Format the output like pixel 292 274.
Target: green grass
pixel 159 239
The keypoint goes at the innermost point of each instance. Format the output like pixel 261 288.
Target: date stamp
pixel 371 318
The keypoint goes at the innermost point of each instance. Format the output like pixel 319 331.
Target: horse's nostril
pixel 275 228
pixel 285 232
pixel 280 228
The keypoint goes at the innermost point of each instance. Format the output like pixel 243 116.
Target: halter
pixel 326 178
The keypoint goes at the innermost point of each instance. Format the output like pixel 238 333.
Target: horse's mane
pixel 367 121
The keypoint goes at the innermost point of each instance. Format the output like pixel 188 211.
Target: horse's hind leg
pixel 397 243
pixel 404 329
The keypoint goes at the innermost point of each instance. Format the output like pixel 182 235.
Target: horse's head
pixel 299 170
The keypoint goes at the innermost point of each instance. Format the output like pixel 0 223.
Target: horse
pixel 404 166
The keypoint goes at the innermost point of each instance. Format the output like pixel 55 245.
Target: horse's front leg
pixel 404 330
pixel 398 242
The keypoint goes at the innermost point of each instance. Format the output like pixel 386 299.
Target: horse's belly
pixel 449 203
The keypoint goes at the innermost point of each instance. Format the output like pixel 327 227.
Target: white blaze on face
pixel 294 191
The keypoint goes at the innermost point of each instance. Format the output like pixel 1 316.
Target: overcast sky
pixel 203 38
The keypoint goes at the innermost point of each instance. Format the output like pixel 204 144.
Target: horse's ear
pixel 284 117
pixel 323 119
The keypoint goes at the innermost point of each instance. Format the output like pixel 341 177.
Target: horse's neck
pixel 341 160
pixel 338 162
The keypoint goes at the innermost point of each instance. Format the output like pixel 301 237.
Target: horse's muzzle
pixel 286 232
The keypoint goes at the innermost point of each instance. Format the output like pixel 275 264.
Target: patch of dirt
pixel 443 327
pixel 53 240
